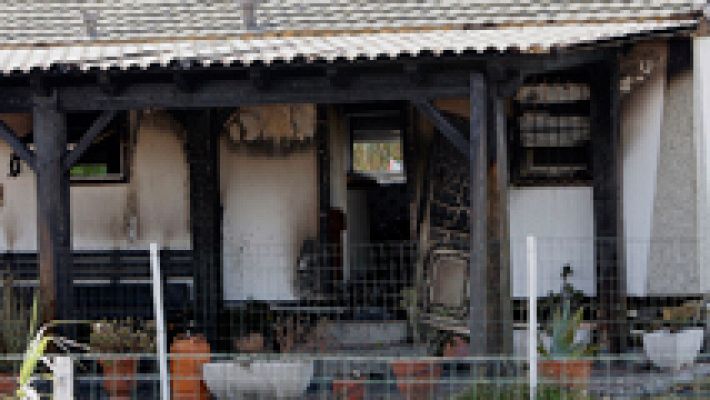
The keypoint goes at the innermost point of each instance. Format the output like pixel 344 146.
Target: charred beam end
pixel 184 82
pixel 338 77
pixel 259 77
pixel 38 85
pixel 94 130
pixel 107 83
pixel 415 72
pixel 443 125
pixel 22 151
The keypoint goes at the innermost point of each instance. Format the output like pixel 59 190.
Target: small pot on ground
pixel 349 388
pixel 119 377
pixel 8 384
pixel 416 379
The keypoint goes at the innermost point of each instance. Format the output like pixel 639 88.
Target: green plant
pixel 513 391
pixel 37 341
pixel 122 336
pixel 15 329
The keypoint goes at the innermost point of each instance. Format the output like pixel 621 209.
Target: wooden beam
pixel 478 315
pixel 53 210
pixel 87 139
pixel 607 170
pixel 9 136
pixel 443 125
pixel 234 93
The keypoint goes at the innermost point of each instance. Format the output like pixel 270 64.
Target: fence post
pixel 63 378
pixel 159 322
pixel 532 314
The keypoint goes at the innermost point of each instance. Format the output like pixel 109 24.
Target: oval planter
pixel 188 355
pixel 566 372
pixel 349 389
pixel 8 384
pixel 673 350
pixel 119 377
pixel 416 379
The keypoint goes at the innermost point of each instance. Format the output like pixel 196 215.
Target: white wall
pixel 641 120
pixel 155 199
pixel 270 207
pixel 701 129
pixel 562 219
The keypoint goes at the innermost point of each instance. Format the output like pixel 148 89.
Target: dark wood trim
pixel 443 125
pixel 478 315
pixel 53 210
pixel 10 137
pixel 94 130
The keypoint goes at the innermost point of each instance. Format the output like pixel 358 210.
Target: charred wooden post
pixel 202 147
pixel 479 316
pixel 607 169
pixel 53 210
pixel 500 339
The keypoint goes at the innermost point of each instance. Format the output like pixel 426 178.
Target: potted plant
pixel 564 359
pixel 679 340
pixel 120 337
pixel 15 331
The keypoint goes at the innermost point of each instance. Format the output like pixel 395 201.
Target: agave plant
pixel 562 330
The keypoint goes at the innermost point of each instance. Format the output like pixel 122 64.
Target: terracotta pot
pixel 349 389
pixel 188 355
pixel 416 379
pixel 119 377
pixel 567 372
pixel 8 384
pixel 456 348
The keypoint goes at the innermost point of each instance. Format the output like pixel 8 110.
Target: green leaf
pixel 32 356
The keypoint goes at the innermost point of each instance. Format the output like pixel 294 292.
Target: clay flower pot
pixel 188 355
pixel 349 389
pixel 8 384
pixel 567 372
pixel 416 379
pixel 119 377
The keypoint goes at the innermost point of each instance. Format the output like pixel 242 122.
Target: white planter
pixel 263 379
pixel 673 350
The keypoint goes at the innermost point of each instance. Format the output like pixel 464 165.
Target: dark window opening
pixel 551 133
pixel 105 160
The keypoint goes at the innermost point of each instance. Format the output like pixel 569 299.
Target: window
pixel 105 159
pixel 377 150
pixel 551 133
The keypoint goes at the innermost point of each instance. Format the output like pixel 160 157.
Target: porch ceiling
pixel 335 47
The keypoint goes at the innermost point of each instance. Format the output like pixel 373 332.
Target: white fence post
pixel 532 314
pixel 63 378
pixel 159 322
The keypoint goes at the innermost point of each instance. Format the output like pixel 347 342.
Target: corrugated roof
pixel 53 21
pixel 327 48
